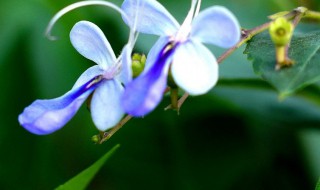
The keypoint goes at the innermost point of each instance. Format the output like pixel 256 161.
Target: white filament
pixel 73 6
pixel 186 25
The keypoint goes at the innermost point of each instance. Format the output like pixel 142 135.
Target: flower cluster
pixel 178 51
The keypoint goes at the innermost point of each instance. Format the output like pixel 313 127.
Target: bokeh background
pixel 238 136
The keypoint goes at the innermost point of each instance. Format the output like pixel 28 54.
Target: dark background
pixel 238 136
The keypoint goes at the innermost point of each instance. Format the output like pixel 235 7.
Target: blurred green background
pixel 238 136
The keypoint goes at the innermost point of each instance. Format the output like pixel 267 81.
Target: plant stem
pixel 281 56
pixel 299 13
pixel 106 135
pixel 174 98
pixel 312 15
pixel 179 103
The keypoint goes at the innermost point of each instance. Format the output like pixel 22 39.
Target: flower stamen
pixel 185 28
pixel 73 6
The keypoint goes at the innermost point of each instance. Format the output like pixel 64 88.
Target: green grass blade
pixel 82 180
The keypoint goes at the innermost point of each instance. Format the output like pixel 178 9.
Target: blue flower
pixel 104 80
pixel 179 49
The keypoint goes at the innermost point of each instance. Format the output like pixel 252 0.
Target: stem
pixel 299 15
pixel 281 56
pixel 180 102
pixel 300 12
pixel 182 99
pixel 174 98
pixel 312 15
pixel 246 36
pixel 106 135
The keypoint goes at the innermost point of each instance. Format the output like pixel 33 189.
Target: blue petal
pixel 90 42
pixel 145 92
pixel 153 54
pixel 106 109
pixel 194 68
pixel 89 74
pixel 126 71
pixel 150 17
pixel 216 25
pixel 46 116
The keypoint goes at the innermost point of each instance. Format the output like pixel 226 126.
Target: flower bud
pixel 281 31
pixel 95 139
pixel 138 63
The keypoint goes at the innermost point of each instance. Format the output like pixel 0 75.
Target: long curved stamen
pixel 186 25
pixel 197 9
pixel 75 6
pixel 133 36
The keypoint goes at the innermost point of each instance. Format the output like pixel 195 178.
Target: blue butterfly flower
pixel 179 50
pixel 104 80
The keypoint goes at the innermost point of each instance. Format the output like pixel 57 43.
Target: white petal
pixel 194 68
pixel 150 17
pixel 106 109
pixel 216 25
pixel 90 42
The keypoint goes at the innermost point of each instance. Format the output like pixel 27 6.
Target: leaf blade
pixel 318 185
pixel 304 50
pixel 82 180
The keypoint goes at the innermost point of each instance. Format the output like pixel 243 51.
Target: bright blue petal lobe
pixel 194 68
pixel 46 116
pixel 153 54
pixel 150 17
pixel 216 25
pixel 145 92
pixel 106 110
pixel 89 41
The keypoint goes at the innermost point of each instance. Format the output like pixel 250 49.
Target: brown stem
pixel 297 18
pixel 299 13
pixel 106 135
pixel 174 98
pixel 246 35
pixel 179 103
pixel 182 99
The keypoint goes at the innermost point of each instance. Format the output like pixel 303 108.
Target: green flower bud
pixel 138 63
pixel 281 31
pixel 95 139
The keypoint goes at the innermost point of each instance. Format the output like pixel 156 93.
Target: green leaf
pixel 82 180
pixel 304 50
pixel 318 185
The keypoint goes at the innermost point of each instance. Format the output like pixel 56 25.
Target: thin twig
pixel 299 14
pixel 180 102
pixel 106 135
